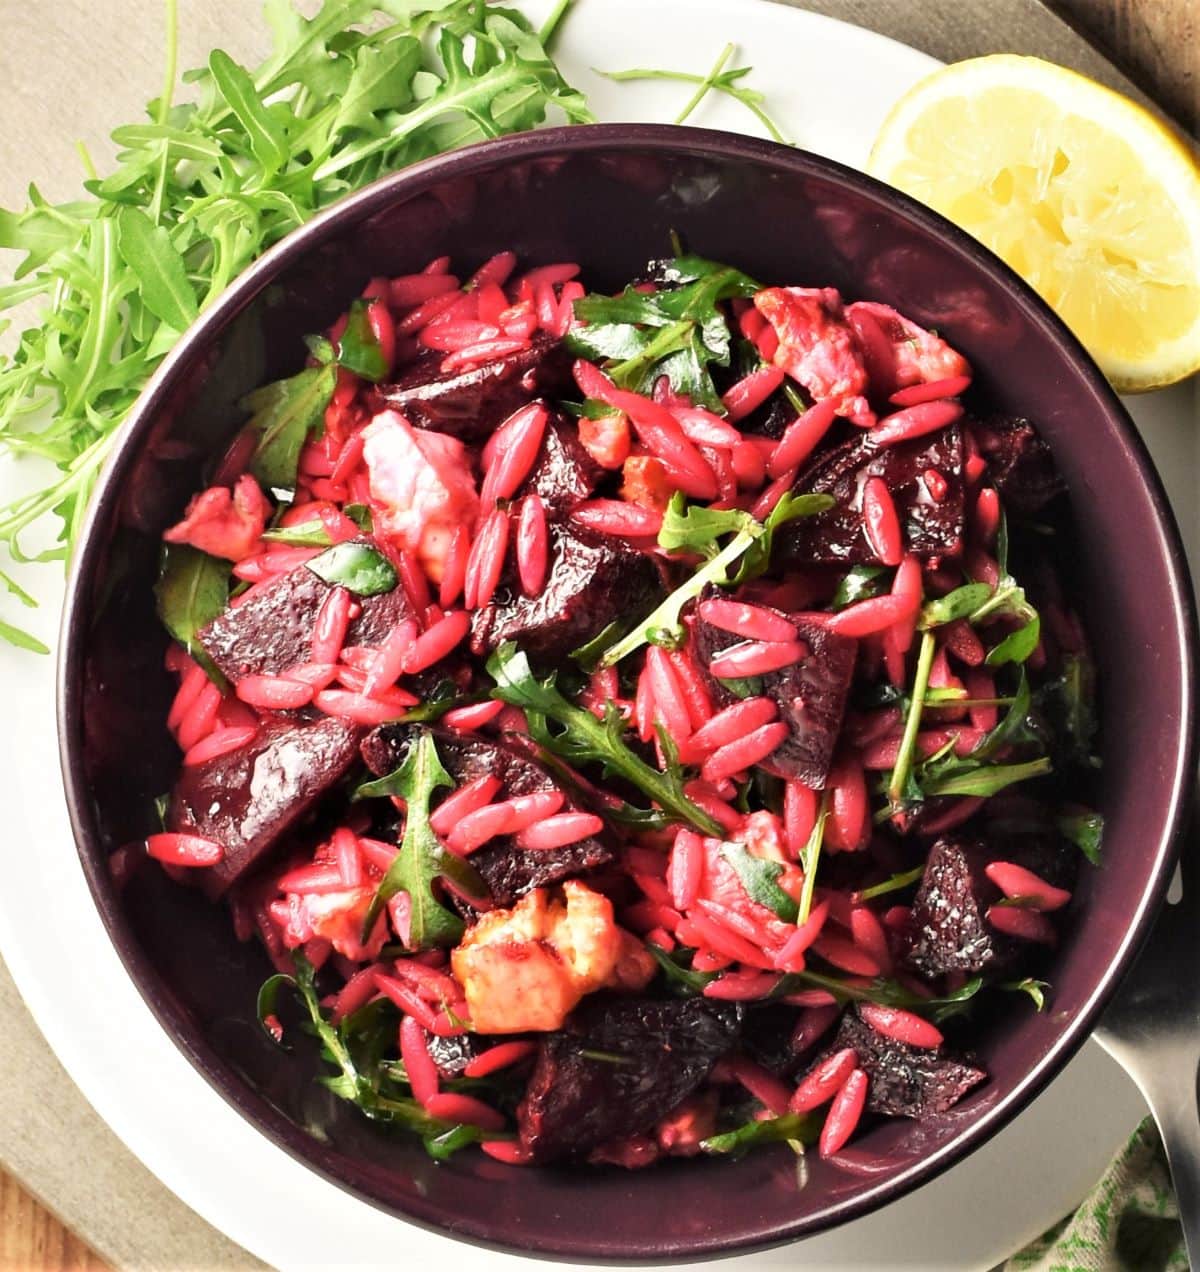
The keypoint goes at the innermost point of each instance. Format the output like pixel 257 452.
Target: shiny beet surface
pixel 608 198
pixel 619 1066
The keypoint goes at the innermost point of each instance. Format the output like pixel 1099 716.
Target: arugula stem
pixel 551 24
pixel 714 571
pixel 908 743
pixel 172 43
pixel 706 84
pixel 812 855
pixel 664 342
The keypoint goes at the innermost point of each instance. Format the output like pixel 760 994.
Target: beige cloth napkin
pixel 50 1138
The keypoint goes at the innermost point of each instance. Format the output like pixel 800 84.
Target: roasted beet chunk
pixel 906 1081
pixel 593 580
pixel 950 932
pixel 469 404
pixel 563 474
pixel 509 871
pixel 645 1057
pixel 248 798
pixel 931 527
pixel 811 695
pixel 272 630
pixel 1020 464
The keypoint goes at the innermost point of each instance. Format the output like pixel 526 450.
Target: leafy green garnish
pixel 358 567
pixel 679 973
pixel 308 534
pixel 793 1128
pixel 811 856
pixel 355 1048
pixel 899 787
pixel 421 860
pixel 898 882
pixel 268 997
pixel 1085 829
pixel 961 603
pixel 285 413
pixel 360 514
pixel 1036 989
pixel 359 349
pixel 718 79
pixel 760 878
pixel 201 189
pixel 887 993
pixel 986 779
pixel 698 529
pixel 192 590
pixel 677 333
pixel 858 584
pixel 1070 701
pixel 583 739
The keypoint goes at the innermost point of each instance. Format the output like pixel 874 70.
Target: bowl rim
pixel 556 142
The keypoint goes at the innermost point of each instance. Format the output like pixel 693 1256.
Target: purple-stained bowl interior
pixel 608 196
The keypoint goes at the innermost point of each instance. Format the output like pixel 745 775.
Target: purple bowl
pixel 608 196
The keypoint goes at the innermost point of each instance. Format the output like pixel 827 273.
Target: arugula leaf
pixel 698 529
pixel 792 1128
pixel 760 878
pixel 211 184
pixel 905 879
pixel 986 779
pixel 1085 829
pixel 358 567
pixel 1069 700
pixel 285 413
pixel 161 273
pixel 1016 646
pixel 583 739
pixel 887 993
pixel 858 584
pixel 192 590
pixel 421 860
pixel 961 603
pixel 264 1007
pixel 360 514
pixel 679 975
pixel 1036 989
pixel 308 534
pixel 719 80
pixel 643 336
pixel 359 349
pixel 811 856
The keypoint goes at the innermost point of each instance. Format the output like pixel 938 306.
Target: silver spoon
pixel 1152 1029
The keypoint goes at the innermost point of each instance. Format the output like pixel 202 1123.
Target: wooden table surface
pixel 1157 43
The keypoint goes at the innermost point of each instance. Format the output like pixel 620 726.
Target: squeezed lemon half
pixel 1088 196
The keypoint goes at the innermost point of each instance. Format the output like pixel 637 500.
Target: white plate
pixel 829 85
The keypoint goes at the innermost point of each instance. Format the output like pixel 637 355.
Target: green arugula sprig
pixel 675 332
pixel 200 189
pixel 699 530
pixel 717 80
pixel 355 1048
pixel 192 590
pixel 796 1129
pixel 422 860
pixel 583 739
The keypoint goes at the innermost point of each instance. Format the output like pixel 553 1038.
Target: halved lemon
pixel 1084 193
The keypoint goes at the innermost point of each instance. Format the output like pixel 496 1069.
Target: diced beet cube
pixel 931 528
pixel 811 695
pixel 470 404
pixel 564 474
pixel 508 871
pixel 593 580
pixel 905 1081
pixel 1020 464
pixel 661 1052
pixel 250 798
pixel 272 630
pixel 950 932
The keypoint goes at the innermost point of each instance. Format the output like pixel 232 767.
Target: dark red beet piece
pixel 249 798
pixel 905 1081
pixel 508 871
pixel 563 474
pixel 949 930
pixel 931 528
pixel 593 580
pixel 470 404
pixel 272 631
pixel 1020 464
pixel 576 1102
pixel 811 695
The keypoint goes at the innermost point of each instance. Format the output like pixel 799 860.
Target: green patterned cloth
pixel 1129 1223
